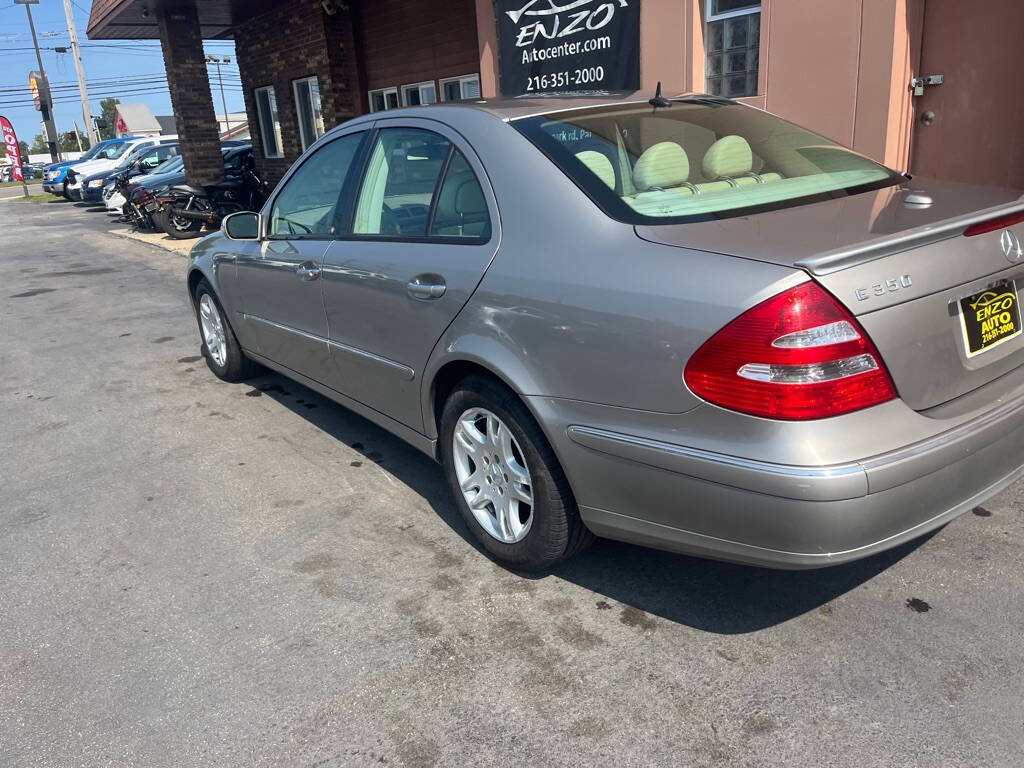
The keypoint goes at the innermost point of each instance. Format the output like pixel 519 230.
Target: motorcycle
pixel 182 210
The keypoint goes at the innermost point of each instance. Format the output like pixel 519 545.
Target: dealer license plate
pixel 990 318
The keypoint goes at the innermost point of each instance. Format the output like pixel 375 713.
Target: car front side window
pixel 308 204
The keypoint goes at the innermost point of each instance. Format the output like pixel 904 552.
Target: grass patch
pixel 5 184
pixel 44 198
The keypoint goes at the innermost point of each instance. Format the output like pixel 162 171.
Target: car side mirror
pixel 241 225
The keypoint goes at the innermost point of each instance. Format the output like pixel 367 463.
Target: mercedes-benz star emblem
pixel 1011 246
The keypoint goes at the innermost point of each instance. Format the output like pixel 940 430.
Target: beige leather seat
pixel 729 163
pixel 599 165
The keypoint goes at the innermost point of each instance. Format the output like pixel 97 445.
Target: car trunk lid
pixel 901 268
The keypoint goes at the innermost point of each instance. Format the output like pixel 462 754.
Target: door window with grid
pixel 731 41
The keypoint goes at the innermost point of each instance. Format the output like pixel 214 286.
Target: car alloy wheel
pixel 213 330
pixel 492 475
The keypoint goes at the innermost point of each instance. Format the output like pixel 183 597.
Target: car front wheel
pixel 223 354
pixel 505 478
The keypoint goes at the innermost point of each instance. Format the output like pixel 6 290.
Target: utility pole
pixel 76 52
pixel 45 104
pixel 211 59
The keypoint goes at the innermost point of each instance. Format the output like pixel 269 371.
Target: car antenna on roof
pixel 659 100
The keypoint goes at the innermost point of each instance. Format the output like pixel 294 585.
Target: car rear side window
pixel 461 208
pixel 308 205
pixel 402 171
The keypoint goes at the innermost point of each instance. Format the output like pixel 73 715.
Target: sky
pixel 132 71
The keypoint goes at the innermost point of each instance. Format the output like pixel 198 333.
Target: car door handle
pixel 427 287
pixel 307 271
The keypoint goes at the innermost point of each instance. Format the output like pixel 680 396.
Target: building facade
pixel 862 72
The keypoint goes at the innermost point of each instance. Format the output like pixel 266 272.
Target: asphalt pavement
pixel 195 573
pixel 19 191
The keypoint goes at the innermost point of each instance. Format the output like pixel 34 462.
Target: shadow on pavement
pixel 711 596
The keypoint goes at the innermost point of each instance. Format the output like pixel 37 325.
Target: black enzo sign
pixel 568 45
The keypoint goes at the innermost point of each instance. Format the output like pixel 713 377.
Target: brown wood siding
pixel 412 41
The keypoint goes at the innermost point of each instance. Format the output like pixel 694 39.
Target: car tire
pixel 553 531
pixel 185 229
pixel 220 347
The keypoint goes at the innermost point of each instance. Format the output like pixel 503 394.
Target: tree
pixel 39 144
pixel 107 115
pixel 23 146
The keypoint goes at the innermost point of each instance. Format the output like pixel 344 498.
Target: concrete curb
pixel 179 247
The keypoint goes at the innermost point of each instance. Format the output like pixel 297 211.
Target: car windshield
pixel 697 159
pixel 113 151
pixel 170 165
pixel 93 151
pixel 131 157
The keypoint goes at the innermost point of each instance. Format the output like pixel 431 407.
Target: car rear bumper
pixel 671 496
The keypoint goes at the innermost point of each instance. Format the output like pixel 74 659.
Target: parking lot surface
pixel 195 573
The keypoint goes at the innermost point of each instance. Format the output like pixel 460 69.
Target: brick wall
pixel 189 85
pixel 295 40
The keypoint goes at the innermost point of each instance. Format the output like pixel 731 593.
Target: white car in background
pixel 93 167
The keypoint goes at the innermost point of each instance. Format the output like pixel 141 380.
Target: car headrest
pixel 599 165
pixel 728 158
pixel 664 164
pixel 469 198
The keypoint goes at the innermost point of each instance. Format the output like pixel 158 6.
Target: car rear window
pixel 697 159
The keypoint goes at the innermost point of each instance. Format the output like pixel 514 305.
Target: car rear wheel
pixel 505 478
pixel 220 347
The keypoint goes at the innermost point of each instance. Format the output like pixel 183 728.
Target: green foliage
pixel 107 114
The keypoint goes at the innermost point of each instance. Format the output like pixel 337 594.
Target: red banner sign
pixel 13 150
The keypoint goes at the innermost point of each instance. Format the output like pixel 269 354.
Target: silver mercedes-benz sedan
pixel 683 323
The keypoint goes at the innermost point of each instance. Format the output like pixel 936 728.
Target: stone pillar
pixel 189 83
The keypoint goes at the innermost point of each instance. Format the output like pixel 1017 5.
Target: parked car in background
pixel 6 172
pixel 55 176
pixel 115 196
pixel 100 165
pixel 682 323
pixel 138 162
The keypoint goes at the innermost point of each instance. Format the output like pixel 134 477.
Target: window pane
pixel 307 103
pixel 391 100
pixel 398 188
pixel 412 97
pixel 725 6
pixel 427 94
pixel 376 101
pixel 452 91
pixel 461 206
pixel 317 108
pixel 270 127
pixel 304 113
pixel 308 203
pixel 739 38
pixel 471 88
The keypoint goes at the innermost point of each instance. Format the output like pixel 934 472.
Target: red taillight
pixel 993 224
pixel 798 355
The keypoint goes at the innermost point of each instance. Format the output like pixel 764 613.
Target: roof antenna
pixel 659 100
